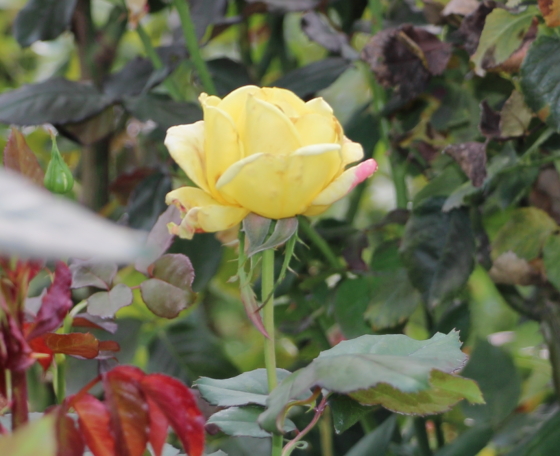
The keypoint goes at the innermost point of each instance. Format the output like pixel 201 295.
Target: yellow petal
pixel 208 100
pixel 316 128
pixel 235 103
pixel 281 186
pixel 267 130
pixel 351 151
pixel 186 146
pixel 285 100
pixel 222 145
pixel 319 106
pixel 202 213
pixel 345 182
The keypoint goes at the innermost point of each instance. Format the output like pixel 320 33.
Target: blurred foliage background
pixel 464 239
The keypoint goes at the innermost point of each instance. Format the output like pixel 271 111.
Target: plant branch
pixel 422 436
pixel 319 242
pixel 20 410
pixel 318 412
pixel 191 42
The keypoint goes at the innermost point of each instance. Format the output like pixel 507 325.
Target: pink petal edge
pixel 363 171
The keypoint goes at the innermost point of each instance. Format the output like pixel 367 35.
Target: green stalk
pixel 422 436
pixel 157 63
pixel 267 295
pixel 319 242
pixel 326 435
pixel 191 42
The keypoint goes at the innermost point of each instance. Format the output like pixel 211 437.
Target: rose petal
pixel 186 146
pixel 316 128
pixel 202 212
pixel 351 151
pixel 345 182
pixel 268 130
pixel 285 100
pixel 319 106
pixel 281 186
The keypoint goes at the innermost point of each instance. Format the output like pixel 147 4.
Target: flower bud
pixel 58 178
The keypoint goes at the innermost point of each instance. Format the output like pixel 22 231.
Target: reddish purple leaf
pixel 39 346
pixel 94 421
pixel 86 320
pixel 109 345
pixel 179 406
pixel 15 352
pixel 69 439
pixel 158 427
pixel 75 344
pixel 56 303
pixel 129 410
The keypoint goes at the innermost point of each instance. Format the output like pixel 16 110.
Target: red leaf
pixel 56 303
pixel 129 410
pixel 85 320
pixel 179 406
pixel 38 345
pixel 94 421
pixel 70 441
pixel 76 344
pixel 19 157
pixel 109 345
pixel 158 427
pixel 15 352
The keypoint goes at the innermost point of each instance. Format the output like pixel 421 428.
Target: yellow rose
pixel 261 150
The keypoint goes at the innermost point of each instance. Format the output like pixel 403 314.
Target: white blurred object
pixel 36 224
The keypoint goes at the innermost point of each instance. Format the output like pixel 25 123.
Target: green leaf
pixel 367 365
pixel 92 273
pixel 42 20
pixel 242 422
pixel 544 442
pixel 551 258
pixel 494 371
pixel 106 303
pixel 502 35
pixel 346 412
pixel 376 442
pixel 56 101
pixel 147 201
pixel 162 110
pixel 350 303
pixel 469 443
pixel 36 224
pixel 525 233
pixel 307 80
pixel 169 291
pixel 540 77
pixel 283 230
pixel 394 300
pixel 37 438
pixel 247 388
pixel 438 250
pixel 228 75
pixel 256 229
pixel 515 116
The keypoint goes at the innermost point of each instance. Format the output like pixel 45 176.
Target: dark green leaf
pixel 540 77
pixel 247 388
pixel 285 6
pixel 189 350
pixel 494 371
pixel 139 75
pixel 469 443
pixel 376 442
pixel 205 13
pixel 92 273
pixel 346 412
pixel 56 101
pixel 525 233
pixel 307 80
pixel 351 301
pixel 228 75
pixel 438 250
pixel 147 201
pixel 318 29
pixel 169 291
pixel 242 422
pixel 43 20
pixel 544 442
pixel 162 110
pixel 106 303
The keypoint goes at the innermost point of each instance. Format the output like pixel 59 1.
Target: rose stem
pixel 157 63
pixel 319 242
pixel 20 411
pixel 191 41
pixel 267 292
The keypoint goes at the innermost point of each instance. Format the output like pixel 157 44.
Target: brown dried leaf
pixel 461 7
pixel 489 121
pixel 20 158
pixel 405 58
pixel 471 156
pixel 471 28
pixel 509 269
pixel 550 10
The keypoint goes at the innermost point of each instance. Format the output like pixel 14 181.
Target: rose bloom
pixel 261 150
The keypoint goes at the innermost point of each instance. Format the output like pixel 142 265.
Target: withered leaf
pixel 317 29
pixel 461 7
pixel 550 10
pixel 405 58
pixel 20 158
pixel 489 121
pixel 471 28
pixel 471 156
